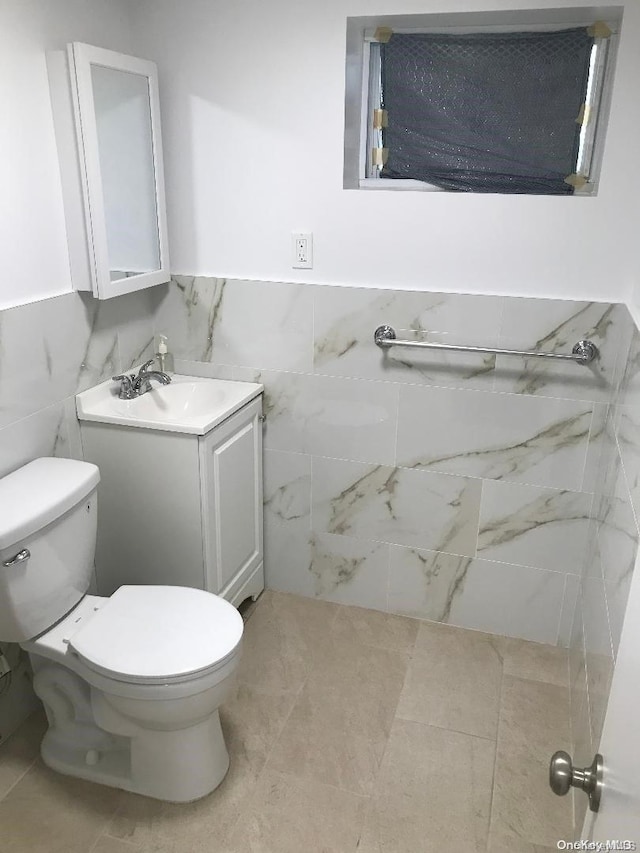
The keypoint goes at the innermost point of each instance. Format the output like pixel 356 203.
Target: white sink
pixel 191 404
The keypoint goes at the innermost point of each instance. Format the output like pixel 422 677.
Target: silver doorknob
pixel 563 776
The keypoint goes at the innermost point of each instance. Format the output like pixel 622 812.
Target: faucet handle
pixel 146 366
pixel 126 385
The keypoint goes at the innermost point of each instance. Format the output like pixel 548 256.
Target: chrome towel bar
pixel 584 352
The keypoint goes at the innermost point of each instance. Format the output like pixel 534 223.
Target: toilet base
pixel 91 739
pixel 176 770
pixel 180 766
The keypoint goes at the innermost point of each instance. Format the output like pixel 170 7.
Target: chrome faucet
pixel 132 386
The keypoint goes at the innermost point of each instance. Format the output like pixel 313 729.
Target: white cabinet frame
pixel 80 58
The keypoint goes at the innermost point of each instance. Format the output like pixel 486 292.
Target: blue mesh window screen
pixel 485 112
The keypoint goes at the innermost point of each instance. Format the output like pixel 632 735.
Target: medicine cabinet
pixel 107 121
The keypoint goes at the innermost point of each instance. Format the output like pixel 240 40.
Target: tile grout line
pixel 430 472
pixel 106 822
pixel 477 537
pixel 347 377
pixel 250 797
pixel 561 610
pixel 21 777
pixel 628 496
pixel 446 729
pixel 607 604
pixel 96 841
pixel 388 584
pixel 588 444
pixel 134 847
pixel 374 784
pixel 395 462
pixel 241 811
pixel 495 757
pixel 311 781
pixel 491 560
pixel 334 618
pixel 311 530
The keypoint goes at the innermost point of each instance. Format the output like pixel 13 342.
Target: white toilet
pixel 132 683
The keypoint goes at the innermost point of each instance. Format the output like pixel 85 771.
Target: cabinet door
pixel 117 117
pixel 232 499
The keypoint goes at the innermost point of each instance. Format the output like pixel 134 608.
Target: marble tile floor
pixel 351 731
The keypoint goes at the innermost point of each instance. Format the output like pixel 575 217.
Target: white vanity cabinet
pixel 180 509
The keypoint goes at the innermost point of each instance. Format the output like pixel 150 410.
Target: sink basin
pixel 191 404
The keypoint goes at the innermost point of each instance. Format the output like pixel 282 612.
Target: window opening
pixel 541 175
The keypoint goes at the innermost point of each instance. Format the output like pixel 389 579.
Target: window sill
pixel 397 185
pixel 588 191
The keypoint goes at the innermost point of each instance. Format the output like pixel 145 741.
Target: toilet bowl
pixel 131 683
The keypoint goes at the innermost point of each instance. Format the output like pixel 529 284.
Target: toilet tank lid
pixel 39 493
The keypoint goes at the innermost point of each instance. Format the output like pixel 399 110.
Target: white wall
pixel 33 245
pixel 253 99
pixel 253 110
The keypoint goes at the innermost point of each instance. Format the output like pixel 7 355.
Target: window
pixel 497 108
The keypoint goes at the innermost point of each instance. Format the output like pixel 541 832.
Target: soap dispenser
pixel 165 358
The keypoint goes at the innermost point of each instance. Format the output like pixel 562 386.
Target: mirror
pixel 107 117
pixel 125 149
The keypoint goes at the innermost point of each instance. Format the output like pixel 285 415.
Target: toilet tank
pixel 48 510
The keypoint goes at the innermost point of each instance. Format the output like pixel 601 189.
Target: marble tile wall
pixel 613 544
pixel 494 494
pixel 50 350
pixel 452 487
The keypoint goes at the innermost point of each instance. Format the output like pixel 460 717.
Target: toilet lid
pixel 159 634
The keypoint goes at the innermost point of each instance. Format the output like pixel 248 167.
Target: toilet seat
pixel 156 635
